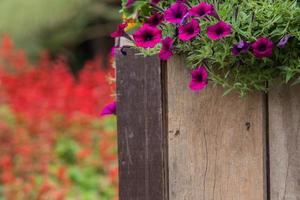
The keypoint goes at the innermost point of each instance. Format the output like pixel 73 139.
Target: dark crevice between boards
pixel 164 96
pixel 267 148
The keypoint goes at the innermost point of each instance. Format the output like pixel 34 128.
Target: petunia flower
pixel 219 30
pixel 201 10
pixel 113 50
pixel 189 30
pixel 147 36
pixel 175 13
pixel 166 50
pixel 199 79
pixel 120 30
pixel 110 109
pixel 214 13
pixel 129 3
pixel 263 47
pixel 283 41
pixel 241 47
pixel 155 20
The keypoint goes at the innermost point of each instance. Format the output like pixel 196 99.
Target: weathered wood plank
pixel 216 144
pixel 284 126
pixel 141 134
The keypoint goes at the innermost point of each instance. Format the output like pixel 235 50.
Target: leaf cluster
pixel 250 20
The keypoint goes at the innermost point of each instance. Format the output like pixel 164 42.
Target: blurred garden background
pixel 56 75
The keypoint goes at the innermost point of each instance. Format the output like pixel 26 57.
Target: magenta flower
pixel 166 50
pixel 155 20
pixel 202 10
pixel 263 47
pixel 176 12
pixel 130 3
pixel 147 36
pixel 199 79
pixel 189 30
pixel 110 109
pixel 219 30
pixel 283 41
pixel 214 13
pixel 120 30
pixel 241 47
pixel 113 51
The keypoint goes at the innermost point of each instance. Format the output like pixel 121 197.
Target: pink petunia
pixel 189 31
pixel 219 30
pixel 263 47
pixel 120 30
pixel 199 79
pixel 110 109
pixel 155 20
pixel 166 50
pixel 175 13
pixel 202 10
pixel 147 36
pixel 113 50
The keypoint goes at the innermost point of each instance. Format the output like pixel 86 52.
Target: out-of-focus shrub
pixel 53 144
pixel 36 24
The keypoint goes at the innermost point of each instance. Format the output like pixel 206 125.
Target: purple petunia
pixel 283 41
pixel 189 31
pixel 130 3
pixel 175 13
pixel 166 50
pixel 199 79
pixel 147 36
pixel 263 47
pixel 219 30
pixel 120 30
pixel 110 109
pixel 155 20
pixel 241 47
pixel 202 10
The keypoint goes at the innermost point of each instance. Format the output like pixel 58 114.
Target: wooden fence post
pixel 216 144
pixel 175 144
pixel 141 128
pixel 284 123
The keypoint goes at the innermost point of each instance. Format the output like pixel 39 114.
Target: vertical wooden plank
pixel 284 126
pixel 141 134
pixel 216 144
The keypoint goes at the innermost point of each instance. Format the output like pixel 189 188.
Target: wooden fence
pixel 175 144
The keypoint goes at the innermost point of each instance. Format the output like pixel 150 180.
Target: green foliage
pixel 250 20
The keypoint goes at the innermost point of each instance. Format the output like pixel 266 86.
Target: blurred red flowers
pixel 52 139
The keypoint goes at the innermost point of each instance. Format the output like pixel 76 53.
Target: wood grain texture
pixel 216 144
pixel 284 126
pixel 141 134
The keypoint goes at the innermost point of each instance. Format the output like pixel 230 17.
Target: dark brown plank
pixel 284 126
pixel 216 144
pixel 141 138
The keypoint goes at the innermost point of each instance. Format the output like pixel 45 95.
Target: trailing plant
pixel 241 45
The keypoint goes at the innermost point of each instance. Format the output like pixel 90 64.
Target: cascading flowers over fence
pixel 238 44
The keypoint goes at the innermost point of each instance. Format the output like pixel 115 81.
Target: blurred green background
pixel 78 29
